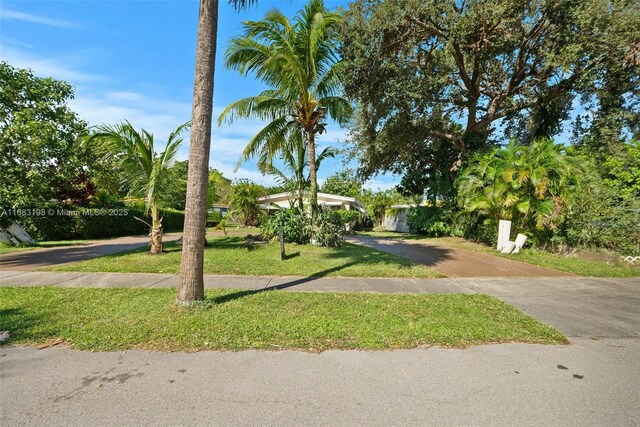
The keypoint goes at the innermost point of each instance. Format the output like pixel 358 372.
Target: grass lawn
pixel 578 266
pixel 119 319
pixel 231 255
pixel 50 244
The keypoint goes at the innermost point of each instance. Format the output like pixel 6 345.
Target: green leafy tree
pixel 528 184
pixel 40 158
pixel 343 183
pixel 298 61
pixel 144 171
pixel 429 72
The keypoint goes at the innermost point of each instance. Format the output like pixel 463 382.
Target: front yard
pixel 119 319
pixel 231 255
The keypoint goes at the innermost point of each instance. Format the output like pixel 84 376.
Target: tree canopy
pixel 40 159
pixel 434 81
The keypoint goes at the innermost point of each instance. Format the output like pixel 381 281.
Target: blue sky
pixel 134 60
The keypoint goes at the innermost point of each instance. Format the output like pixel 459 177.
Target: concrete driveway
pixel 454 262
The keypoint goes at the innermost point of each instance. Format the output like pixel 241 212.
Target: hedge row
pixel 61 222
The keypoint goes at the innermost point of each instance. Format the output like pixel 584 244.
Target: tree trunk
pixel 313 170
pixel 156 230
pixel 191 270
pixel 301 199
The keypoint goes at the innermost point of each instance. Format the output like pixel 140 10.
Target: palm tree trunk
pixel 301 199
pixel 313 196
pixel 156 230
pixel 191 270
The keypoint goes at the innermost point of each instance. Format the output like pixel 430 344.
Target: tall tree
pixel 299 62
pixel 39 156
pixel 295 178
pixel 191 269
pixel 454 71
pixel 145 172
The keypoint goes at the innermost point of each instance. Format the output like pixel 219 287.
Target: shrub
pixel 329 228
pixel 430 220
pixel 296 226
pixel 70 222
pixel 295 223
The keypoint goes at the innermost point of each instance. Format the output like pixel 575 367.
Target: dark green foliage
pixel 432 79
pixel 295 224
pixel 343 183
pixel 40 159
pixel 70 222
pixel 527 184
pixel 348 216
pixel 429 220
pixel 329 228
pixel 602 216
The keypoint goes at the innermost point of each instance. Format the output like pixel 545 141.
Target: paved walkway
pixel 47 257
pixel 589 383
pixel 456 262
pixel 578 306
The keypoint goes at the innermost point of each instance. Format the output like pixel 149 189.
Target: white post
pixel 504 231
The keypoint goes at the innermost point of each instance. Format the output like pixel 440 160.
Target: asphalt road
pixel 47 257
pixel 591 382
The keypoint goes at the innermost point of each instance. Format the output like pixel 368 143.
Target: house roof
pixel 331 197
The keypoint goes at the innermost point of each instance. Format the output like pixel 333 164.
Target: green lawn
pixel 50 244
pixel 578 266
pixel 231 255
pixel 119 319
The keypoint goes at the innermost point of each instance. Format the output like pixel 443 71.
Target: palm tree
pixel 296 161
pixel 298 61
pixel 191 269
pixel 527 184
pixel 143 171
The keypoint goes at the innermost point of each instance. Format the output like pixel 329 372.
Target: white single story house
pixel 284 200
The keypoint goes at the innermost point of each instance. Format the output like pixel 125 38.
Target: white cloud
pixel 48 67
pixel 15 15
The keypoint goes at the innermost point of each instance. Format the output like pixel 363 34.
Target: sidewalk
pixel 578 306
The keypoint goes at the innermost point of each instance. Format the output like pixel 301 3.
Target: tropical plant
pixel 527 184
pixel 244 201
pixel 295 178
pixel 143 171
pixel 436 81
pixel 298 61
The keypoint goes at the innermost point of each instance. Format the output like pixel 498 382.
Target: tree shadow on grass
pixel 295 282
pixel 386 251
